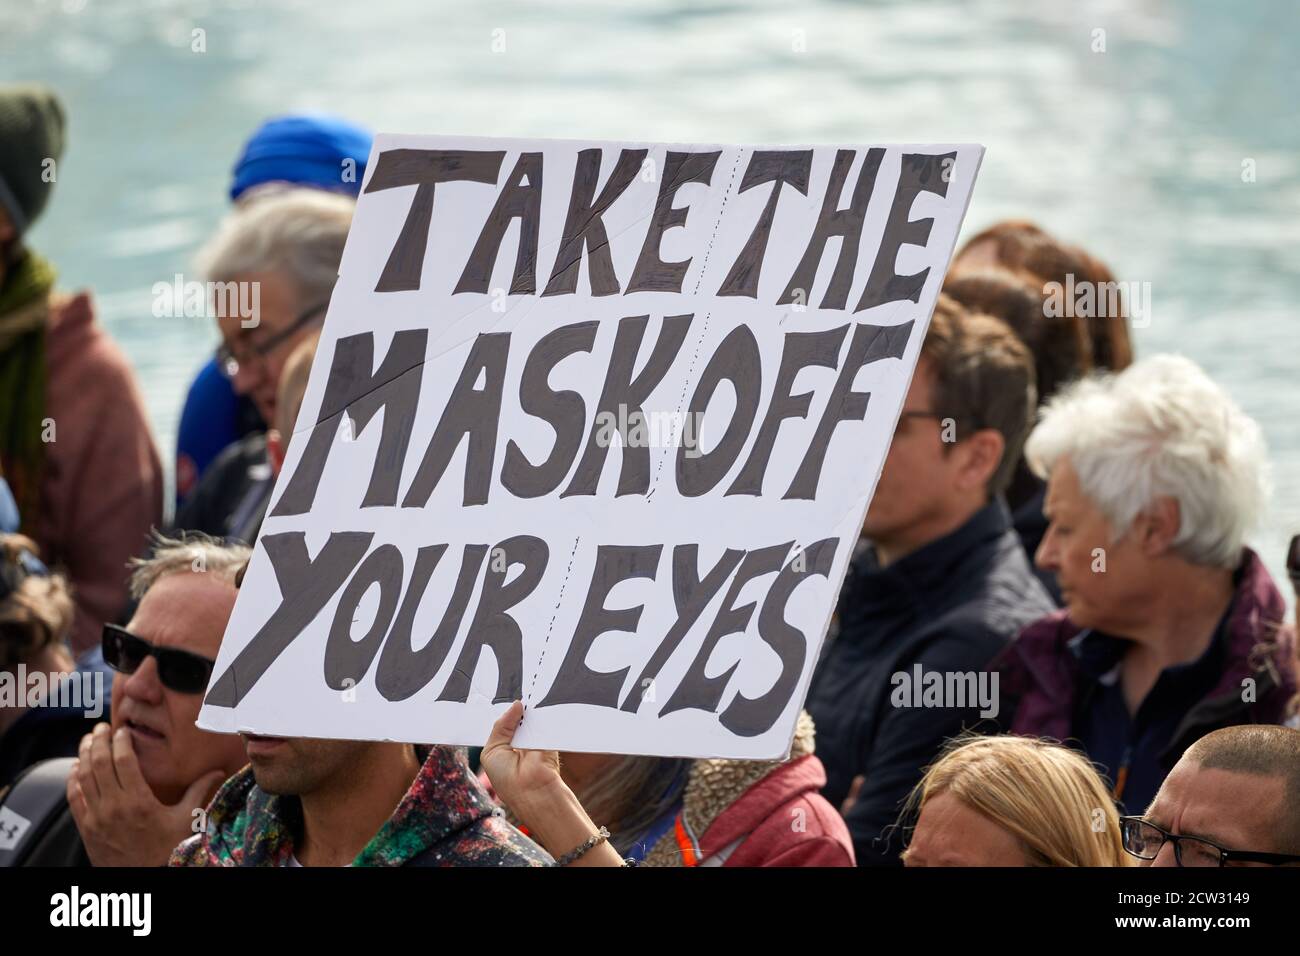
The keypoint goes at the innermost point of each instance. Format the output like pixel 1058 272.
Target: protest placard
pixel 593 425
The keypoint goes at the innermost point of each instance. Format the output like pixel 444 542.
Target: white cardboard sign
pixel 593 425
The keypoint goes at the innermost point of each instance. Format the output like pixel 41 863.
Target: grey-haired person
pixel 1172 626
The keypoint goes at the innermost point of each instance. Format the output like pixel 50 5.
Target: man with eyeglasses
pixel 1232 800
pixel 940 583
pixel 140 783
pixel 281 252
pixel 298 149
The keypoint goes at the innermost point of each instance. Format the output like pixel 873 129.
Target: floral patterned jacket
pixel 445 819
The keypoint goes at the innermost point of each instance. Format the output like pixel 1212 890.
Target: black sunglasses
pixel 1293 561
pixel 1144 840
pixel 180 671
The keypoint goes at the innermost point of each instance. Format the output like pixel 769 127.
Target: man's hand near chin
pixel 120 820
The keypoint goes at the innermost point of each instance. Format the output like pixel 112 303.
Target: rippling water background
pixel 1136 152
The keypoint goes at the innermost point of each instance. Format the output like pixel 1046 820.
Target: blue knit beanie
pixel 306 150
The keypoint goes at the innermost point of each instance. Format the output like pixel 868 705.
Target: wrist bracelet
pixel 599 837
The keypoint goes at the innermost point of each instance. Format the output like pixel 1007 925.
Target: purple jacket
pixel 1039 672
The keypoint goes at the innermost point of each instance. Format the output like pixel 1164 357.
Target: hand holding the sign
pixel 520 777
pixel 529 783
pixel 120 820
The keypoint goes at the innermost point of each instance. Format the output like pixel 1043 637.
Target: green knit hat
pixel 31 132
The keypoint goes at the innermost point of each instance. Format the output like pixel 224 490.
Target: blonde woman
pixel 1012 801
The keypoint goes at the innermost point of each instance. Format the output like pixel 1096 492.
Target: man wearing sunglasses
pixel 286 248
pixel 139 785
pixel 1232 800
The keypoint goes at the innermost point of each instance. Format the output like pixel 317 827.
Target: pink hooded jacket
pixel 102 489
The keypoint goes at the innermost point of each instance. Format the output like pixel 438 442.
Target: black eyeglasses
pixel 926 413
pixel 1143 839
pixel 919 413
pixel 229 362
pixel 178 670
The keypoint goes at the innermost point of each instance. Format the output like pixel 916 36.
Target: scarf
pixel 24 314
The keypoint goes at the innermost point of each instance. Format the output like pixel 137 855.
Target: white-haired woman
pixel 271 268
pixel 1171 626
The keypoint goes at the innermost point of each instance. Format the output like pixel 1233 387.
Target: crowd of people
pixel 1056 523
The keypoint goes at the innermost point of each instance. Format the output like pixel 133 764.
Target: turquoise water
pixel 1136 151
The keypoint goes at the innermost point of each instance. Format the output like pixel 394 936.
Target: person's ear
pixel 275 449
pixel 1158 526
pixel 981 455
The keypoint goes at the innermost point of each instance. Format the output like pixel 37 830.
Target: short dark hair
pixel 1264 750
pixel 983 378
